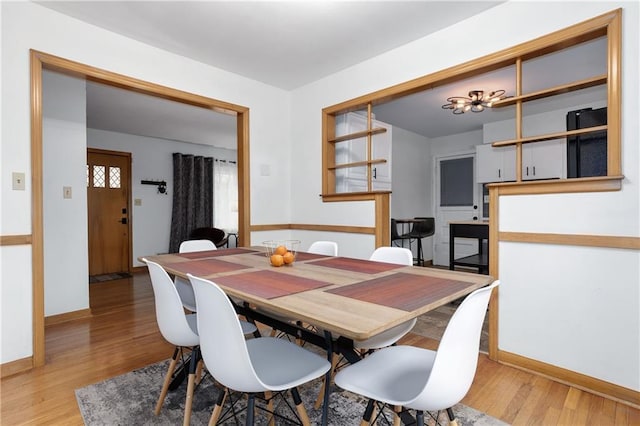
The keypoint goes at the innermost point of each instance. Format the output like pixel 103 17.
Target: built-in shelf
pixel 358 164
pixel 357 135
pixel 549 136
pixel 552 91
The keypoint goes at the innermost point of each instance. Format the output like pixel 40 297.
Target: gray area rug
pixel 130 399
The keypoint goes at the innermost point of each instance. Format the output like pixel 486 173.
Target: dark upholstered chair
pixel 215 235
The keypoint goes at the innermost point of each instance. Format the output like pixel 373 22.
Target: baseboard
pixel 580 381
pixel 67 316
pixel 14 367
pixel 139 269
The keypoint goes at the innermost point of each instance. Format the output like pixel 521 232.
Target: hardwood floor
pixel 122 335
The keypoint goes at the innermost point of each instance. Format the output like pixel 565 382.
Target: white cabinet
pixel 544 160
pixel 354 178
pixel 495 164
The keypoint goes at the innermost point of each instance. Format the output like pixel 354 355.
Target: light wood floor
pixel 122 335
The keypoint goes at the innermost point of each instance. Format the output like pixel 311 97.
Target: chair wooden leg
pixel 269 397
pixel 396 417
pixel 302 412
pixel 167 381
pixel 189 400
pixel 217 409
pixel 320 397
pixel 191 384
pixel 452 417
pixel 199 371
pixel 368 412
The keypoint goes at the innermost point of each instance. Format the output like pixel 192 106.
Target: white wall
pixel 64 136
pixel 411 180
pixel 26 25
pixel 151 159
pixel 613 213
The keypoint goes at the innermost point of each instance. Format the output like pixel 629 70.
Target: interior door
pixel 108 194
pixel 456 199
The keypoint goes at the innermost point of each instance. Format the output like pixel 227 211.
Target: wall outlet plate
pixel 18 181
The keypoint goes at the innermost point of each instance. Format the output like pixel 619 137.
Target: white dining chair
pixel 327 248
pixel 183 286
pixel 177 328
pixel 410 378
pixel 255 366
pixel 399 256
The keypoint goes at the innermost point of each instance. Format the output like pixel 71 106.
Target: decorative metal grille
pixel 99 176
pixel 114 177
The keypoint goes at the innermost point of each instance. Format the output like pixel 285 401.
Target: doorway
pixel 108 207
pixel 456 199
pixel 41 61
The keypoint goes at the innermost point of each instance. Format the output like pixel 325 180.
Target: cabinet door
pixel 544 160
pixel 355 150
pixel 495 164
pixel 488 162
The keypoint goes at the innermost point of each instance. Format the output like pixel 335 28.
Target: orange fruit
pixel 276 260
pixel 281 250
pixel 288 257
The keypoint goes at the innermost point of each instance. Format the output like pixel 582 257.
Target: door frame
pixel 38 62
pixel 127 155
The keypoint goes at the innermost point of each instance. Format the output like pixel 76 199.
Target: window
pixel 456 182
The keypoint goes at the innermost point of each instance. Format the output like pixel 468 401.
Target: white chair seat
pixel 281 365
pixel 401 373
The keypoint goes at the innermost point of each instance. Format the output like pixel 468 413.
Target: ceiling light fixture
pixel 477 101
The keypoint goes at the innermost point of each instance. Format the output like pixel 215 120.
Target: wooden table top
pixel 470 222
pixel 353 298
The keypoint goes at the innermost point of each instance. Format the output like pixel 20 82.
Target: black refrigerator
pixel 587 153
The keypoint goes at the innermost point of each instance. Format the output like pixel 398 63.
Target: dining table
pixel 331 301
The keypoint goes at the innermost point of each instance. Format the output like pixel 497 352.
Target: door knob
pixel 123 220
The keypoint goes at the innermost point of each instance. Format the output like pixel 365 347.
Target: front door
pixel 456 199
pixel 108 193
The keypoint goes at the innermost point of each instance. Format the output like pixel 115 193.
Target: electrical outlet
pixel 18 181
pixel 66 192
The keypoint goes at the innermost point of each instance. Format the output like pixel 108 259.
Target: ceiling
pixel 286 44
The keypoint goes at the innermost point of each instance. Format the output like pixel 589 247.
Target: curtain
pixel 225 177
pixel 192 197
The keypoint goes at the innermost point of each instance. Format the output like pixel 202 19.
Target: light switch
pixel 18 181
pixel 137 202
pixel 66 192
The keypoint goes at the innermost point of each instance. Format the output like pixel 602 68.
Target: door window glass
pixel 456 182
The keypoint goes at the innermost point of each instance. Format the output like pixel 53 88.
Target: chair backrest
pixel 398 255
pixel 328 248
pixel 170 316
pixel 222 342
pixel 189 246
pixel 215 235
pixel 456 360
pixel 426 227
pixel 394 230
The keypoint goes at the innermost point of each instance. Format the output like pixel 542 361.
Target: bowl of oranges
pixel 281 252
